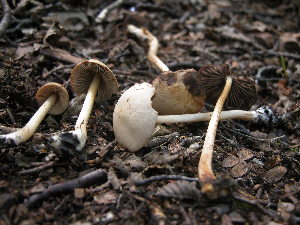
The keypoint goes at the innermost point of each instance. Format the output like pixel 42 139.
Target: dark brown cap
pixel 49 89
pixel 83 74
pixel 242 94
pixel 178 92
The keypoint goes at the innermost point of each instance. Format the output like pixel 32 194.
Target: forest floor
pixel 46 39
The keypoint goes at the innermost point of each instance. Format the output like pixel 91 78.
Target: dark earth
pixel 41 41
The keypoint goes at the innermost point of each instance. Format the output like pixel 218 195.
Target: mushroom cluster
pixel 134 117
pixel 53 98
pixel 182 93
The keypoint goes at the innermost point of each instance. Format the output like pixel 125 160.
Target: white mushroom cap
pixel 134 118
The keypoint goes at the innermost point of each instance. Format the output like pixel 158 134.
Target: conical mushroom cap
pixel 178 92
pixel 49 89
pixel 242 94
pixel 83 74
pixel 134 118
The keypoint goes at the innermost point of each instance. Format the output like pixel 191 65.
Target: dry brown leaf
pixel 180 189
pixel 290 42
pixel 275 174
pixel 245 154
pixel 230 161
pixel 239 169
pixel 107 197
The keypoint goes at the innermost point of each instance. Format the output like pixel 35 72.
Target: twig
pixel 11 115
pixel 40 168
pixel 95 177
pixel 164 177
pixel 255 203
pixel 61 55
pixel 60 67
pixel 153 46
pixel 6 130
pixel 6 17
pixel 102 15
pixel 274 53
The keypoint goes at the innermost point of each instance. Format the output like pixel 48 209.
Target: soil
pixel 258 165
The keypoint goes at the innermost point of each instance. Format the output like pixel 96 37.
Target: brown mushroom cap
pixel 83 74
pixel 49 89
pixel 178 92
pixel 242 94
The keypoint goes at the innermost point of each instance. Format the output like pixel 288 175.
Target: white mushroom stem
pixel 206 174
pixel 28 130
pixel 198 117
pixel 153 46
pixel 82 120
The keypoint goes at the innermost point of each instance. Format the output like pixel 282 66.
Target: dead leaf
pixel 230 161
pixel 245 154
pixel 239 169
pixel 283 89
pixel 265 39
pixel 236 217
pixel 107 197
pixel 285 210
pixel 181 190
pixel 290 42
pixel 74 21
pixel 275 174
pixel 79 192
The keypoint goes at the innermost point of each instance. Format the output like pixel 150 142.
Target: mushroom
pixel 177 92
pixel 134 118
pixel 237 92
pixel 98 82
pixel 53 98
pixel 153 46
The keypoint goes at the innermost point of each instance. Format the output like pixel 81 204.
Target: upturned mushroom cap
pixel 134 118
pixel 83 74
pixel 242 94
pixel 178 92
pixel 49 89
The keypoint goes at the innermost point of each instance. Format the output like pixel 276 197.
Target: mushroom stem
pixel 82 120
pixel 28 130
pixel 198 117
pixel 87 106
pixel 206 174
pixel 153 46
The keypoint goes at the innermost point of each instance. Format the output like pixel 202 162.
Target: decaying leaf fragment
pixel 180 189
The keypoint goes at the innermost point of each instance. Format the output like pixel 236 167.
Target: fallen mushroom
pixel 53 99
pixel 177 92
pixel 134 118
pixel 153 45
pixel 98 82
pixel 241 94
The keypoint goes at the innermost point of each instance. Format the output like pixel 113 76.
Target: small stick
pixel 153 46
pixel 102 15
pixel 61 55
pixel 95 177
pixel 40 168
pixel 6 17
pixel 164 177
